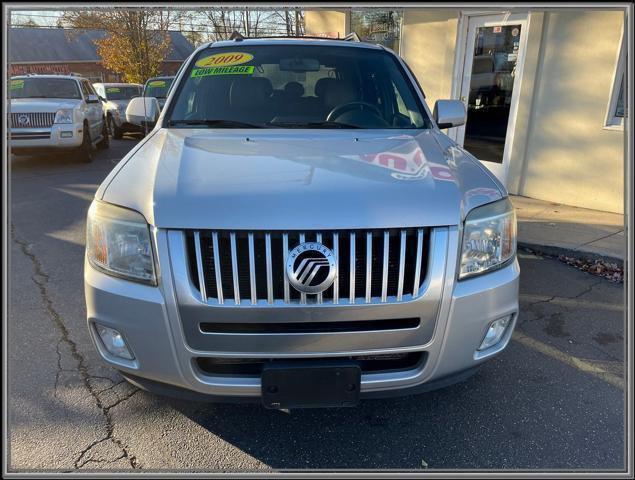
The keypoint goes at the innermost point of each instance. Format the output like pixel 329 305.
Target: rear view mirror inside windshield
pixel 299 65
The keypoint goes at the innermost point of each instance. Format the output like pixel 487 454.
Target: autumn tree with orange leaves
pixel 136 40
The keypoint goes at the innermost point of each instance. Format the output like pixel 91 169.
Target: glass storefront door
pixel 491 78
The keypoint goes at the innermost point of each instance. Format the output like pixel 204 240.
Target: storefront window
pixel 378 26
pixel 617 106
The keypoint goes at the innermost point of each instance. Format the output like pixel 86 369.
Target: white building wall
pixel 562 150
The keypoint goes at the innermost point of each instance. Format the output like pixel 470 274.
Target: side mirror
pixel 92 98
pixel 142 111
pixel 449 113
pixel 102 99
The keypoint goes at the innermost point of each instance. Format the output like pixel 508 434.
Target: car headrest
pixel 293 90
pixel 250 92
pixel 265 84
pixel 322 84
pixel 340 92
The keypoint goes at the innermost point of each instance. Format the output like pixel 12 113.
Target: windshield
pixel 122 93
pixel 158 88
pixel 44 88
pixel 296 86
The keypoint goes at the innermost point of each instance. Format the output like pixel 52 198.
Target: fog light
pixel 495 332
pixel 66 134
pixel 114 342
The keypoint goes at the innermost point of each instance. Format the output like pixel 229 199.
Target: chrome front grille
pixel 248 268
pixel 35 120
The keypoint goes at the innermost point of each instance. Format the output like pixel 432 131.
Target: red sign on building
pixel 60 69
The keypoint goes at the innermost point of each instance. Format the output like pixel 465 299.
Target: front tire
pixel 86 148
pixel 117 133
pixel 105 140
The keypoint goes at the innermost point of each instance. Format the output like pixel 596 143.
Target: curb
pixel 553 251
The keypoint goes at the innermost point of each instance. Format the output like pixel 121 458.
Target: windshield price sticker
pixel 234 70
pixel 113 89
pixel 17 84
pixel 225 59
pixel 157 83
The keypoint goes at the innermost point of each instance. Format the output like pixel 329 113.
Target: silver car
pixel 297 230
pixel 116 97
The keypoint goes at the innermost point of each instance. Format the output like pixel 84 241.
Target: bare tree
pixel 253 22
pixel 224 22
pixel 287 21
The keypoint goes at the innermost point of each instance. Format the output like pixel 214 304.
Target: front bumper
pixel 59 136
pixel 120 122
pixel 457 315
pixel 184 394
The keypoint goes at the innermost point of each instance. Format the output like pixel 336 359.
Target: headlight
pixel 64 116
pixel 489 238
pixel 118 243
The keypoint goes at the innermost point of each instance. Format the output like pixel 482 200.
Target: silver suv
pixel 116 97
pixel 56 113
pixel 297 230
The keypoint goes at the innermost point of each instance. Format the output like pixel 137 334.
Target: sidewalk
pixel 575 229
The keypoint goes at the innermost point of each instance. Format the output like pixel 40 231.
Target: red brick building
pixel 58 50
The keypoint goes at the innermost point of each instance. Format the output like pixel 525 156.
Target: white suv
pixel 54 112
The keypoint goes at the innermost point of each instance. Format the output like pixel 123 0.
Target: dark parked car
pixel 158 87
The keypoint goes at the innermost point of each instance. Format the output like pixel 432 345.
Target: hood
pixel 28 105
pixel 299 179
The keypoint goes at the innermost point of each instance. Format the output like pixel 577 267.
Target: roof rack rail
pixel 351 37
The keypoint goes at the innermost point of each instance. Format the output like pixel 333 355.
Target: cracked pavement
pixel 68 411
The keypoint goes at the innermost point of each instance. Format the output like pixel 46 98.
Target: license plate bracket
pixel 310 384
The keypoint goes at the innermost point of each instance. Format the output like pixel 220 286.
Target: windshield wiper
pixel 323 124
pixel 214 123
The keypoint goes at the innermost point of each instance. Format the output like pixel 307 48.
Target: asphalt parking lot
pixel 553 400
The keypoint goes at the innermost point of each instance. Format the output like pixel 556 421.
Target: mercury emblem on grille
pixel 311 267
pixel 24 120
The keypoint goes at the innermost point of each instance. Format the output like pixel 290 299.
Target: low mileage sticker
pixel 234 70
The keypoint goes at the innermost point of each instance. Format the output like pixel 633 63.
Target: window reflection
pixel 491 86
pixel 378 26
pixel 619 108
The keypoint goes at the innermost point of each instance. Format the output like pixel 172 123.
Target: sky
pixel 199 23
pixel 42 17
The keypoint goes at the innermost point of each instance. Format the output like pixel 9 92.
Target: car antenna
pixel 145 118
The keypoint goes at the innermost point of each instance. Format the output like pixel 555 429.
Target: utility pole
pixel 247 27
